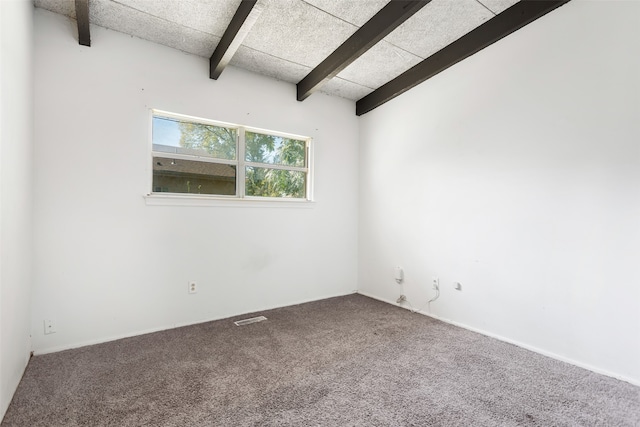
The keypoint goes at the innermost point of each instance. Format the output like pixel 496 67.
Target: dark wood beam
pixel 374 30
pixel 503 24
pixel 82 18
pixel 239 27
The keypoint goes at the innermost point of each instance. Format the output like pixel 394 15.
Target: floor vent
pixel 248 321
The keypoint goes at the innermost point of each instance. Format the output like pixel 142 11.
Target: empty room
pixel 319 213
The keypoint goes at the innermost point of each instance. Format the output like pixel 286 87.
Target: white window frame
pixel 188 199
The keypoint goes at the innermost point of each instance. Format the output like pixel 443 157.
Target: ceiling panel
pixel 438 24
pixel 265 64
pixel 345 89
pixel 116 16
pixel 298 32
pixel 63 7
pixel 498 6
pixel 209 16
pixel 262 63
pixel 356 12
pixel 379 64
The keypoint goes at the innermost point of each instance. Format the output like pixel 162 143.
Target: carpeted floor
pixel 348 361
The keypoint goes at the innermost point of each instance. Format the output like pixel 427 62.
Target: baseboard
pixel 175 325
pixel 514 342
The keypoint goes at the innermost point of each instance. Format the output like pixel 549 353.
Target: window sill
pixel 196 200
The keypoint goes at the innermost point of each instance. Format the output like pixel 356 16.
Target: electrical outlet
pixel 49 327
pixel 435 282
pixel 193 287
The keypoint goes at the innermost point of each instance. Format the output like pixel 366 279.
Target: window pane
pixel 264 182
pixel 189 176
pixel 274 150
pixel 175 136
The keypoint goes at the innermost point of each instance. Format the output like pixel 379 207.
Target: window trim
pixel 187 199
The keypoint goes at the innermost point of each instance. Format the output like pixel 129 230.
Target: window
pixel 201 157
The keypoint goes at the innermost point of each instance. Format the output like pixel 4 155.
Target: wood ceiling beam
pixel 82 18
pixel 386 20
pixel 239 27
pixel 503 24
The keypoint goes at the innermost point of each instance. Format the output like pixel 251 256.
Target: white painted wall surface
pixel 108 265
pixel 16 237
pixel 517 173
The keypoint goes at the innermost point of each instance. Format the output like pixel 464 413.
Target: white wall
pixel 517 174
pixel 108 265
pixel 16 143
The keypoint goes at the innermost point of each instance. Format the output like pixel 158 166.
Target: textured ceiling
pixel 291 37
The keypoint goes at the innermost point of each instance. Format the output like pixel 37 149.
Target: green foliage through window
pixel 219 142
pixel 261 148
pixel 263 182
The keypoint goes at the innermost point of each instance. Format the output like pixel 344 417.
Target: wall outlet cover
pixel 193 287
pixel 49 327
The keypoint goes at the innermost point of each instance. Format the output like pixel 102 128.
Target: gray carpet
pixel 348 361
